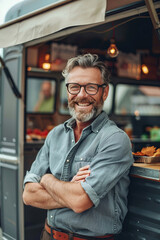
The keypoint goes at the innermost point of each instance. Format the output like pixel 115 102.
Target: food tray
pixel 146 159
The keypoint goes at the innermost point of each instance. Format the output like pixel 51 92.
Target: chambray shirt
pixel 107 149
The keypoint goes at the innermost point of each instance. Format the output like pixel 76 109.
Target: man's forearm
pixel 68 194
pixel 36 196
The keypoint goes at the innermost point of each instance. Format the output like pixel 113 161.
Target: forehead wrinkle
pixel 86 75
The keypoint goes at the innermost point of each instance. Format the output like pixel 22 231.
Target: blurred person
pixel 46 99
pixel 89 159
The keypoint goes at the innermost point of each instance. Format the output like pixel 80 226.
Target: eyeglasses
pixel 90 88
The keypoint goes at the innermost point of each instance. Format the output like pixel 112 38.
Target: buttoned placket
pixel 69 159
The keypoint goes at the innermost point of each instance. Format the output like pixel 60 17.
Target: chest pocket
pixel 79 162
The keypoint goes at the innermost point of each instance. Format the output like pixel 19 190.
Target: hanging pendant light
pixel 46 65
pixel 112 51
pixel 145 69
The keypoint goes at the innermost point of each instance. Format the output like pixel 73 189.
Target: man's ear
pixel 105 93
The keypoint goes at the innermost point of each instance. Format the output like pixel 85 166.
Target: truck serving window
pixel 137 100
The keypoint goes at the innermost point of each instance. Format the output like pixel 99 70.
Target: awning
pixel 51 19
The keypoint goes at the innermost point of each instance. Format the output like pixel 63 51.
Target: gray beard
pixel 85 117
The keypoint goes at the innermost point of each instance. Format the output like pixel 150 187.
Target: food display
pixel 148 151
pixel 37 134
pixel 147 155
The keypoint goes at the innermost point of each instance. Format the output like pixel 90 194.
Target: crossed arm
pixel 52 193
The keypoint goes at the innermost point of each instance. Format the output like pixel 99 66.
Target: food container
pixel 146 159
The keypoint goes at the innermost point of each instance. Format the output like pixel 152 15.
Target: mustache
pixel 80 100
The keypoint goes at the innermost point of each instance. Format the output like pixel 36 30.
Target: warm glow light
pixel 112 50
pixel 47 57
pixel 46 66
pixel 145 69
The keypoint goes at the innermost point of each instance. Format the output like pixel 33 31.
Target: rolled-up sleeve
pixel 111 163
pixel 91 193
pixel 31 177
pixel 39 166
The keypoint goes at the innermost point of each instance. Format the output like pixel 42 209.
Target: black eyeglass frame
pixel 98 85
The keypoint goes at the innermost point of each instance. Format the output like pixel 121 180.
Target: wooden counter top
pixel 145 165
pixel 148 171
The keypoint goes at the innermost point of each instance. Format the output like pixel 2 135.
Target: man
pixel 46 99
pixel 89 158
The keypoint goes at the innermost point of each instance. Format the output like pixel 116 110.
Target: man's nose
pixel 82 92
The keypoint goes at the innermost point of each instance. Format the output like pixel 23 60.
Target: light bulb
pixel 145 69
pixel 46 66
pixel 112 50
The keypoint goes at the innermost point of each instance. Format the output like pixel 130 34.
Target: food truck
pixel 38 37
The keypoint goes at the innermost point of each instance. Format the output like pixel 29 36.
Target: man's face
pixel 84 107
pixel 46 89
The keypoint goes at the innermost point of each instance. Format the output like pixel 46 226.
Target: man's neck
pixel 79 126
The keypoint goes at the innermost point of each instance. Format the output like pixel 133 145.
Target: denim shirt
pixel 107 149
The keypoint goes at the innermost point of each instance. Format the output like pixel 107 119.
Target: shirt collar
pixel 96 125
pixel 69 124
pixel 100 120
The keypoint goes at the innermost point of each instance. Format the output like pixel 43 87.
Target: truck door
pixel 10 151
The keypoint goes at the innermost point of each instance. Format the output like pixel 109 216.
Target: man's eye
pixel 74 87
pixel 91 87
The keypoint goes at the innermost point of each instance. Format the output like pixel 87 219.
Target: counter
pixel 143 221
pixel 149 171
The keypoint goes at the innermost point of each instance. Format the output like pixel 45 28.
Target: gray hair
pixel 87 61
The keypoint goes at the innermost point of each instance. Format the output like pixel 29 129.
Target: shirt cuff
pixel 91 193
pixel 31 177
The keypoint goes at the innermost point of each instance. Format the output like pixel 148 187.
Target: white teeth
pixel 83 104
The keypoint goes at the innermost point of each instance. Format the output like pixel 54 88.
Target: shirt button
pixel 67 161
pixel 51 216
pixel 81 159
pixel 97 131
pixel 72 140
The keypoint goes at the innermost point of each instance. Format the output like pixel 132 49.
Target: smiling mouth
pixel 83 104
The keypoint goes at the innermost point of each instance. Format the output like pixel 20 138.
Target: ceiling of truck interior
pixel 130 34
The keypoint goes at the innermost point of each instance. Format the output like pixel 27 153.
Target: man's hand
pixel 36 196
pixel 81 174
